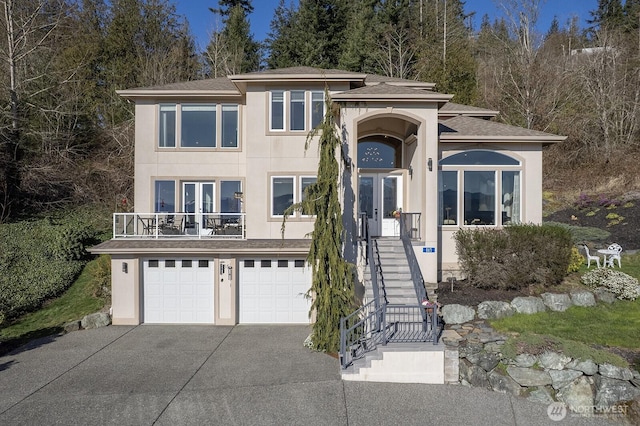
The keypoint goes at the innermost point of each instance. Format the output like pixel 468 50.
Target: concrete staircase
pixel 406 363
pixel 400 362
pixel 394 269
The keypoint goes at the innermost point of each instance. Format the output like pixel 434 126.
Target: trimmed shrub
pixel 514 257
pixel 617 282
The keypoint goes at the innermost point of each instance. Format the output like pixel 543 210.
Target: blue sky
pixel 202 21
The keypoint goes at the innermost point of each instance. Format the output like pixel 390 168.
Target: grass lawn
pixel 76 302
pixel 610 325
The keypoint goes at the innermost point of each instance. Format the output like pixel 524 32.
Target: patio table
pixel 607 252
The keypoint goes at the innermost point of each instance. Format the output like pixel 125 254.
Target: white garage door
pixel 178 290
pixel 273 291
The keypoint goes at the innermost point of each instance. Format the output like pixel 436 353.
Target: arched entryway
pixel 380 182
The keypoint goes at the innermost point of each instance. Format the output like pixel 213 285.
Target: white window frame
pixel 293 102
pixel 312 102
pixel 497 170
pixel 272 193
pixel 284 110
pixel 177 109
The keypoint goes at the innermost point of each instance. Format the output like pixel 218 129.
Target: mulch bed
pixel 626 233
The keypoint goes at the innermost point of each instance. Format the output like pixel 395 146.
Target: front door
pixel 198 201
pixel 380 195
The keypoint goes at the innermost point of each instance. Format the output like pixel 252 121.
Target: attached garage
pixel 178 291
pixel 273 291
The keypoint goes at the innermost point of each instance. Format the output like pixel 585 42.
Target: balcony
pixel 179 225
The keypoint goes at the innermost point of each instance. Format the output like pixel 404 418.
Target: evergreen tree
pixel 332 288
pixel 233 50
pixel 360 42
pixel 226 6
pixel 312 35
pixel 608 15
pixel 280 41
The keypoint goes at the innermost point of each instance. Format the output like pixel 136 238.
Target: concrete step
pixel 400 363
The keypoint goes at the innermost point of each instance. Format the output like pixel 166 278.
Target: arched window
pixel 480 186
pixel 379 152
pixel 479 157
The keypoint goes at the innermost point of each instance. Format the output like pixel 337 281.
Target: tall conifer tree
pixel 332 288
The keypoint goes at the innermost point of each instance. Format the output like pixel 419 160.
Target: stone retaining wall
pixel 584 386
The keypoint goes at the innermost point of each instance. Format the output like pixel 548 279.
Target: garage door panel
pixel 279 289
pixel 178 291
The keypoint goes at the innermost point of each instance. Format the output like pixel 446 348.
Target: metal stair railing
pixel 366 328
pixel 406 231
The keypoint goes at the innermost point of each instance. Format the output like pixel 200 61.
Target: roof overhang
pixel 387 97
pixel 141 247
pixel 134 94
pixel 501 139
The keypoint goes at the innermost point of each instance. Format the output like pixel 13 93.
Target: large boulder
pixel 578 394
pixel 588 367
pixel 457 314
pixel 495 310
pixel 528 305
pixel 611 391
pixel 556 302
pixel 529 376
pixel 504 384
pixel 613 372
pixel 553 360
pixel 476 376
pixel 97 320
pixel 562 378
pixel 582 298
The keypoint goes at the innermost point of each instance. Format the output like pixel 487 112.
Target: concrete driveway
pixel 242 375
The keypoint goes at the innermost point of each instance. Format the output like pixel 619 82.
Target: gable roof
pixel 468 129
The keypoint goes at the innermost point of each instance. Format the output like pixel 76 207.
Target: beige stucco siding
pixel 530 155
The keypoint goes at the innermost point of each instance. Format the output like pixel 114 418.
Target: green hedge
pixel 514 257
pixel 39 259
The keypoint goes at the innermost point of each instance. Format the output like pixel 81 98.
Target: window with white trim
pixel 197 126
pixel 479 187
pixel 282 194
pixel 295 110
pixel 288 190
pixel 317 108
pixel 277 110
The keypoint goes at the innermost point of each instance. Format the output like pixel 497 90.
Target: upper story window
pixel 277 110
pixel 198 126
pixel 195 126
pixel 479 187
pixel 295 110
pixel 167 134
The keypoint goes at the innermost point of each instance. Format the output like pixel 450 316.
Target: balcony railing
pixel 179 225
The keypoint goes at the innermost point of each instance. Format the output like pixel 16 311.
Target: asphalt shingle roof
pixel 462 126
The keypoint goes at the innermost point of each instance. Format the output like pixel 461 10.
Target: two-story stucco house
pixel 218 161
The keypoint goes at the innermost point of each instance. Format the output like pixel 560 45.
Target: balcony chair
pixel 590 257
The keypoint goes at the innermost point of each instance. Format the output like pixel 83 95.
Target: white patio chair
pixel 590 257
pixel 611 261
